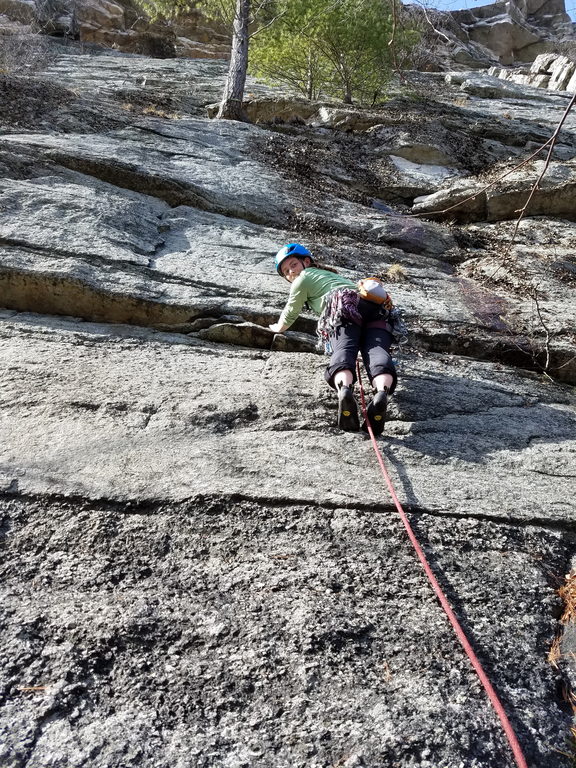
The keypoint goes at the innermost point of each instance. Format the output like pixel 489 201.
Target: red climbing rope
pixel 492 695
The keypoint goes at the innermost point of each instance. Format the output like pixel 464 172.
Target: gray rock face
pixel 199 567
pixel 500 34
pixel 555 195
pixel 516 31
pixel 242 631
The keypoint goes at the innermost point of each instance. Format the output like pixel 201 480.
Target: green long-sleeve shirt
pixel 311 286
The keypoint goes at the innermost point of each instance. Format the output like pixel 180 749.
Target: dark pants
pixel 370 338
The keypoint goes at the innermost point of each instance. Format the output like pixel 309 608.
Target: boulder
pixel 557 73
pixel 505 37
pixel 474 201
pixel 348 119
pixel 542 63
pixel 561 71
pixel 487 87
pixel 98 14
pixel 522 77
pixel 513 30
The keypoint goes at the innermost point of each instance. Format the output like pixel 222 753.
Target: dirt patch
pixel 156 103
pixel 340 166
pixel 36 104
pixel 27 102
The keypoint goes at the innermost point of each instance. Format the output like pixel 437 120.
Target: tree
pixel 231 104
pixel 234 14
pixel 340 47
pixel 286 52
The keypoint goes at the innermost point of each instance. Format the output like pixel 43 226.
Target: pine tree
pixel 338 47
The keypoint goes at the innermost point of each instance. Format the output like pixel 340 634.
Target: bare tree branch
pixel 394 23
pixel 487 187
pixel 546 330
pixel 557 368
pixel 257 8
pixel 392 42
pixel 269 24
pixel 552 142
pixel 437 31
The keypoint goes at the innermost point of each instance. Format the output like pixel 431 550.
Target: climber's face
pixel 292 267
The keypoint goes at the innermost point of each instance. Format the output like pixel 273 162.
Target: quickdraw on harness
pixel 460 634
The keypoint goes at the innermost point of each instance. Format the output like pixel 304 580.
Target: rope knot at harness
pixel 460 634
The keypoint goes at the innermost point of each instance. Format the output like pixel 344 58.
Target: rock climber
pixel 348 323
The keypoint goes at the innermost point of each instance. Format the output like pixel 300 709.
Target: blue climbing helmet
pixel 292 249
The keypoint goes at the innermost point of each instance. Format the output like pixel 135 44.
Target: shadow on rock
pixel 466 419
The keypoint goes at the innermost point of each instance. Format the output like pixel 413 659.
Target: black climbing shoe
pixel 377 413
pixel 347 410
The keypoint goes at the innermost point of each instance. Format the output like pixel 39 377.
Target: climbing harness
pixel 341 305
pixel 460 634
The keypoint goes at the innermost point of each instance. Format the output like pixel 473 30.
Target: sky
pixel 456 5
